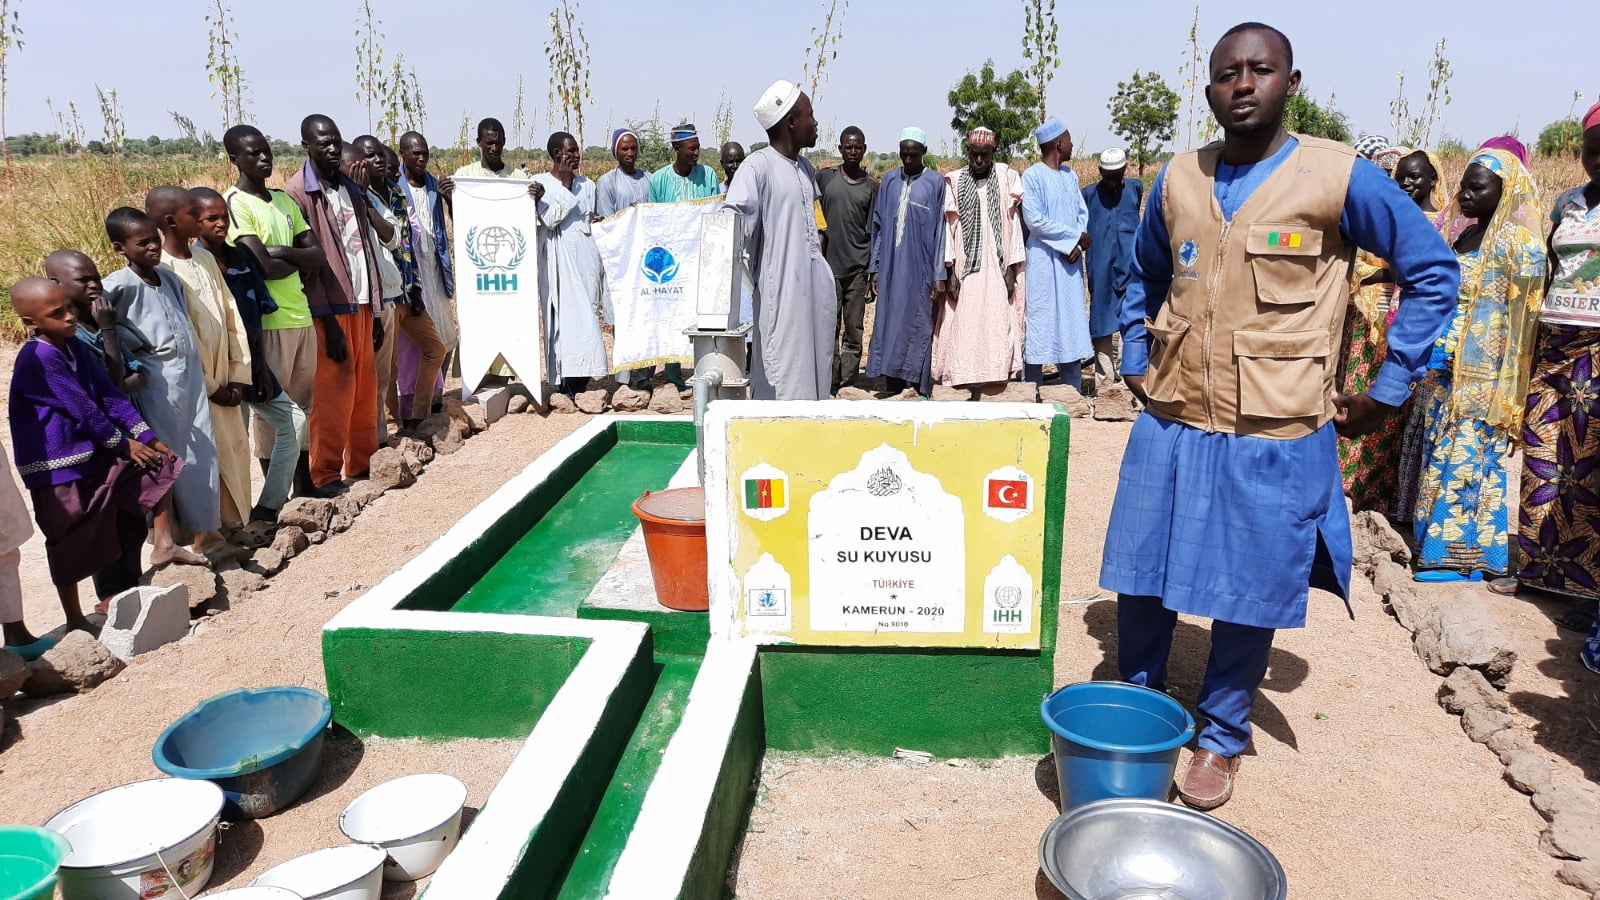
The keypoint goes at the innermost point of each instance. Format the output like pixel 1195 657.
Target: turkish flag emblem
pixel 1007 493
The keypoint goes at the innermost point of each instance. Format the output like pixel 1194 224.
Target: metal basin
pixel 1133 848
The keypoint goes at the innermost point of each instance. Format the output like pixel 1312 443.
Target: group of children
pixel 130 402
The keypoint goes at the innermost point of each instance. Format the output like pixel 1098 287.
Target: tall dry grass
pixel 49 204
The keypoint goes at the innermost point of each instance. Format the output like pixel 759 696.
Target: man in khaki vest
pixel 1229 504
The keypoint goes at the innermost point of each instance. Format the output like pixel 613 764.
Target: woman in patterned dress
pixel 1560 510
pixel 1476 398
pixel 1371 463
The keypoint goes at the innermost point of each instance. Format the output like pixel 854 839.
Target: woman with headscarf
pixel 569 271
pixel 1370 464
pixel 1476 400
pixel 1561 428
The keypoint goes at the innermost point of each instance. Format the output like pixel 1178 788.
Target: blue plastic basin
pixel 1114 740
pixel 262 746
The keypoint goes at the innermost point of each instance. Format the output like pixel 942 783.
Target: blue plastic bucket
pixel 262 746
pixel 1114 740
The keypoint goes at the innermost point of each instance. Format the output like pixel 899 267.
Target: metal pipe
pixel 704 385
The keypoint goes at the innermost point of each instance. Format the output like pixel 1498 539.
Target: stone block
pixel 667 401
pixel 291 541
pixel 240 583
pixel 907 395
pixel 945 393
pixel 592 402
pixel 1373 538
pixel 1480 722
pixel 443 433
pixel 1509 742
pixel 1528 772
pixel 561 404
pixel 141 619
pixel 340 523
pixel 199 581
pixel 518 404
pixel 346 505
pixel 266 562
pixel 1466 688
pixel 495 402
pixel 13 673
pixel 456 410
pixel 364 492
pixel 306 513
pixel 76 665
pixel 415 452
pixel 854 393
pixel 1573 834
pixel 1462 632
pixel 1115 403
pixel 1065 396
pixel 629 400
pixel 388 471
pixel 1009 392
pixel 1566 793
pixel 1581 874
pixel 1410 608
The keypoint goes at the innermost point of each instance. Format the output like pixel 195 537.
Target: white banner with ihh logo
pixel 497 279
pixel 651 254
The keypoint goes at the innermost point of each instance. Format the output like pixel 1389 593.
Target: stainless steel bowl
pixel 1133 848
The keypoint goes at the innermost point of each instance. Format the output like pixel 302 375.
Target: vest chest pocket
pixel 1283 259
pixel 1166 345
pixel 1281 374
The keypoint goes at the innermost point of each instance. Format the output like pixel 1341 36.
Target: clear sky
pixel 896 60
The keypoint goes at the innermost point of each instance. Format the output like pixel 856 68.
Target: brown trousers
pixel 344 416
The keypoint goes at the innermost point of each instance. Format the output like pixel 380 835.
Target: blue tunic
pixel 1113 219
pixel 1258 520
pixel 907 257
pixel 1053 211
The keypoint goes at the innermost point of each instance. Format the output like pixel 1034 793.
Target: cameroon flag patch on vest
pixel 1284 239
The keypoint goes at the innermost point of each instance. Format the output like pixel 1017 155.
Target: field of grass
pixel 49 204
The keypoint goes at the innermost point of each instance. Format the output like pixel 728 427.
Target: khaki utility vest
pixel 1248 340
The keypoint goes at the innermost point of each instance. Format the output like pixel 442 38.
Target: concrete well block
pixel 142 619
pixel 495 401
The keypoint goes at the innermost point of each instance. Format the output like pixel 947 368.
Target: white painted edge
pixel 389 592
pixel 483 863
pixel 719 413
pixel 656 858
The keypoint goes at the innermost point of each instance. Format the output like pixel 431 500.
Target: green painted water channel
pixel 550 571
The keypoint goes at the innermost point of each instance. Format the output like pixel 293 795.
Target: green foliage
pixel 372 83
pixel 722 122
pixel 1561 138
pixel 519 119
pixel 824 47
pixel 111 120
pixel 1007 106
pixel 1450 145
pixel 1303 115
pixel 10 39
pixel 1417 131
pixel 222 63
pixel 567 52
pixel 655 150
pixel 1144 112
pixel 1039 32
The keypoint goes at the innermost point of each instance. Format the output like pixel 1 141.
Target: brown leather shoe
pixel 1209 781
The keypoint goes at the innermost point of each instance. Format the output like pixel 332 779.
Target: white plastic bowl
pixel 415 818
pixel 255 892
pixel 130 841
pixel 351 872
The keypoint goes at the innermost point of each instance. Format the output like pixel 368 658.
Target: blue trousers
pixel 1071 373
pixel 288 424
pixel 1234 671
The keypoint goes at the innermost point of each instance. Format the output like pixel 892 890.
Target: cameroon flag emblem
pixel 765 493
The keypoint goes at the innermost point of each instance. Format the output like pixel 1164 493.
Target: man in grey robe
pixel 796 310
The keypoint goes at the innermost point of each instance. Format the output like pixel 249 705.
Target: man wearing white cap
pixel 1113 204
pixel 791 355
pixel 1052 208
pixel 907 268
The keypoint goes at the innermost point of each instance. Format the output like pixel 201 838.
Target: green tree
pixel 1562 138
pixel 1144 112
pixel 1007 106
pixel 1303 115
pixel 1039 48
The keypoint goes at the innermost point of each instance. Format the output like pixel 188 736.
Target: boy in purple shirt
pixel 83 451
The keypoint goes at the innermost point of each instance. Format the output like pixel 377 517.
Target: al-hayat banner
pixel 651 254
pixel 497 279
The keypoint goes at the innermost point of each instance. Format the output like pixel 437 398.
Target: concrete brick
pixel 495 402
pixel 142 619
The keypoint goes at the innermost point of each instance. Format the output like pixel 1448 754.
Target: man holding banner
pixel 796 310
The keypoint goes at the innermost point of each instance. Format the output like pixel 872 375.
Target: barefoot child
pixel 224 351
pixel 153 324
pixel 265 397
pixel 82 450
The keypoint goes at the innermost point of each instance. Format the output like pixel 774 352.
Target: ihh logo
pixel 498 283
pixel 659 265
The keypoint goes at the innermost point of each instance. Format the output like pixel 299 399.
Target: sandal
pixel 1579 620
pixel 1446 576
pixel 1506 586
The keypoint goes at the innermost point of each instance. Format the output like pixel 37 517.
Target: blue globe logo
pixel 659 265
pixel 1188 254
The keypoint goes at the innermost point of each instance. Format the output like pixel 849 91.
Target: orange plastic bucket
pixel 674 522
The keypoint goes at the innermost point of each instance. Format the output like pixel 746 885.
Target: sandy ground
pixel 59 751
pixel 1358 781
